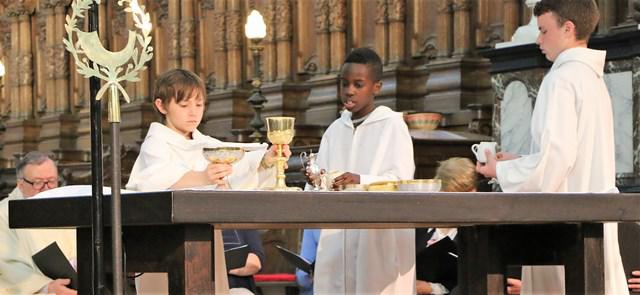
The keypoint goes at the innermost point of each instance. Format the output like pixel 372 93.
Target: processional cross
pixel 94 61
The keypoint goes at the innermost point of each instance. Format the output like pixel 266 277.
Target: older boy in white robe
pixel 572 132
pixel 366 144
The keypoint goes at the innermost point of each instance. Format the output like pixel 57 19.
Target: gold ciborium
pixel 280 131
pixel 223 155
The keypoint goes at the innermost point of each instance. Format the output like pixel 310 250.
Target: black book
pixel 296 260
pixel 438 263
pixel 629 235
pixel 53 264
pixel 236 257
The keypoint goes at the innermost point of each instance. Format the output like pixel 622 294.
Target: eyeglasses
pixel 39 184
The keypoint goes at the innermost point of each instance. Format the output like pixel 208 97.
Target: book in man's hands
pixel 297 260
pixel 236 257
pixel 53 264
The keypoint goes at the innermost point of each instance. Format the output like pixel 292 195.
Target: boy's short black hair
pixel 367 57
pixel 583 14
pixel 178 84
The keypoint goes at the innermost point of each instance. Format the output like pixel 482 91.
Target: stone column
pixel 45 83
pixel 511 13
pixel 462 39
pixel 187 36
pixel 338 29
pixel 22 129
pixel 382 30
pixel 397 14
pixel 322 35
pixel 445 28
pixel 59 131
pixel 173 27
pixel 220 47
pixel 269 53
pixel 204 53
pixel 234 41
pixel 283 38
pixel 61 59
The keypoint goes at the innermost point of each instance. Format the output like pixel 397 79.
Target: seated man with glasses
pixel 35 173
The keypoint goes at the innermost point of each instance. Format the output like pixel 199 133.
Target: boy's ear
pixel 570 27
pixel 377 87
pixel 160 106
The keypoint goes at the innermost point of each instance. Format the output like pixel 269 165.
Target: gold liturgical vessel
pixel 280 131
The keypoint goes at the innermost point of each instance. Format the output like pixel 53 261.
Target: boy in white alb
pixel 368 144
pixel 572 146
pixel 171 156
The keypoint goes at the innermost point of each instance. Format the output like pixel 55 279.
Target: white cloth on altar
pixel 165 156
pixel 367 261
pixel 572 148
pixel 18 272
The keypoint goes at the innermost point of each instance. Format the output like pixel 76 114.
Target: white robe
pixel 572 147
pixel 367 261
pixel 18 272
pixel 165 156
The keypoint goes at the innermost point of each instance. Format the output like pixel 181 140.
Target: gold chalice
pixel 280 131
pixel 223 155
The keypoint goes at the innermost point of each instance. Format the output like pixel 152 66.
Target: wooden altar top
pixel 267 209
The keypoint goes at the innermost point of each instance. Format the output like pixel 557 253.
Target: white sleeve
pixel 18 274
pixel 438 289
pixel 547 169
pixel 247 173
pixel 398 156
pixel 154 168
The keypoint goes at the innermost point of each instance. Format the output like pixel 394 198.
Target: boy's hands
pixel 271 156
pixel 634 283
pixel 217 172
pixel 59 287
pixel 344 179
pixel 488 169
pixel 513 286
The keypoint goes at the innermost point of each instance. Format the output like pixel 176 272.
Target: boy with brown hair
pixel 572 146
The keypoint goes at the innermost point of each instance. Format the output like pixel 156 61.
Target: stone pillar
pixel 270 53
pixel 338 29
pixel 22 129
pixel 220 47
pixel 396 11
pixel 511 14
pixel 462 39
pixel 445 28
pixel 187 35
pixel 234 41
pixel 173 27
pixel 59 129
pixel 283 39
pixel 322 35
pixel 382 30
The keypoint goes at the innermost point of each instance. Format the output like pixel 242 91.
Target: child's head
pixel 361 81
pixel 179 96
pixel 565 24
pixel 457 175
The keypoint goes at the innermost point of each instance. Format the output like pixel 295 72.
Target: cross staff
pixel 95 62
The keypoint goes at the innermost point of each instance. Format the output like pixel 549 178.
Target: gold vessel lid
pixel 420 181
pixel 383 186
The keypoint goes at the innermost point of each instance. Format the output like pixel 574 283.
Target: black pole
pixel 97 274
pixel 116 216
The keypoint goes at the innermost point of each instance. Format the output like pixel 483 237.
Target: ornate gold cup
pixel 223 155
pixel 280 131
